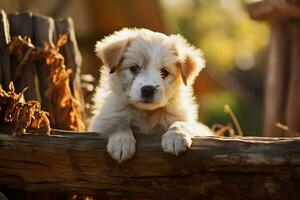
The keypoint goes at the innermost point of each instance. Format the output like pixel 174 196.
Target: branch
pixel 218 167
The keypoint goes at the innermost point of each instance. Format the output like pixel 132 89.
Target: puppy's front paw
pixel 175 142
pixel 121 147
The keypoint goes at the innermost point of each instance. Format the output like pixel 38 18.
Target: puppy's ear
pixel 111 49
pixel 191 60
pixel 190 67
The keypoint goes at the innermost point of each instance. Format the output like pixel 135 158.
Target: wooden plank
pixel 214 167
pixel 21 24
pixel 5 77
pixel 276 79
pixel 293 103
pixel 275 10
pixel 44 31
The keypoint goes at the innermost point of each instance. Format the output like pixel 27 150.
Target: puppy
pixel 145 87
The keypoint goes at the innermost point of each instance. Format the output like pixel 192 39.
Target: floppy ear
pixel 191 60
pixel 111 49
pixel 191 67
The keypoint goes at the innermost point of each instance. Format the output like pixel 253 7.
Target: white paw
pixel 175 142
pixel 121 147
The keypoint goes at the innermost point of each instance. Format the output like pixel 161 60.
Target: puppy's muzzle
pixel 148 92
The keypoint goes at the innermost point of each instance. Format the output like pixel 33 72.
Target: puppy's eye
pixel 164 73
pixel 134 69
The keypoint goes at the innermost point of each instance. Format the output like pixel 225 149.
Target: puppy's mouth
pixel 147 104
pixel 147 100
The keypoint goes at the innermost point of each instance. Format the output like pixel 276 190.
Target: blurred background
pixel 234 46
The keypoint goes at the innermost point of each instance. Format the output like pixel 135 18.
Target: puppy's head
pixel 149 67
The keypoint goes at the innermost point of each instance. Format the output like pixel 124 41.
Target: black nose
pixel 148 91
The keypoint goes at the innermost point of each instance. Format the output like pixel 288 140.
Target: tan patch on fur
pixel 179 67
pixel 178 78
pixel 186 69
pixel 189 67
pixel 112 55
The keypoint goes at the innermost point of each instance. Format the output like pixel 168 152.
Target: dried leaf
pixel 62 39
pixel 17 116
pixel 66 111
pixel 11 87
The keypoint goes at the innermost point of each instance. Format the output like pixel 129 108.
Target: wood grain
pixel 21 24
pixel 214 168
pixel 72 56
pixel 44 31
pixel 70 50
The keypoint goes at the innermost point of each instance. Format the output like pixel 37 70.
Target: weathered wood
pixel 293 103
pixel 70 50
pixel 21 24
pixel 214 168
pixel 72 56
pixel 275 10
pixel 4 56
pixel 44 31
pixel 276 79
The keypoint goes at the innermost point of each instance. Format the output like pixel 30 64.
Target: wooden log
pixel 21 24
pixel 44 31
pixel 276 79
pixel 293 103
pixel 274 10
pixel 5 77
pixel 214 167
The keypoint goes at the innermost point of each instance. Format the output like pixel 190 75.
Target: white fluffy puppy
pixel 145 87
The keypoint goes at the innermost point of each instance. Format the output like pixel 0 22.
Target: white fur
pixel 119 107
pixel 121 146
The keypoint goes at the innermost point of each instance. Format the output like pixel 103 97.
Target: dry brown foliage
pixel 223 130
pixel 18 116
pixel 289 131
pixel 65 109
